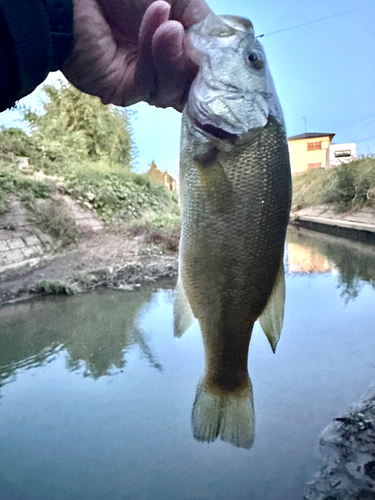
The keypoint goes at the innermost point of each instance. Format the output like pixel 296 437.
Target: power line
pixel 367 139
pixel 317 20
pixel 353 121
pixel 363 128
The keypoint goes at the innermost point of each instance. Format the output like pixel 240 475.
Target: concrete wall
pixel 21 242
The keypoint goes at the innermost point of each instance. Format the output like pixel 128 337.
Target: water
pixel 96 395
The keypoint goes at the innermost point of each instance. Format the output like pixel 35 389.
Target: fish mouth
pixel 216 132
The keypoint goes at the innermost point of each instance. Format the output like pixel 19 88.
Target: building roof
pixel 311 135
pixel 158 175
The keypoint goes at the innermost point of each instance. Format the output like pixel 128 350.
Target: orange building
pixel 162 178
pixel 309 151
pixel 304 260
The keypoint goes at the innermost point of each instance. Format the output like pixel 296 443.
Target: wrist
pixel 60 15
pixel 27 47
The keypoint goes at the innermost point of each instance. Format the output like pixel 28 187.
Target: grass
pixel 53 288
pixel 350 186
pixel 119 194
pixel 109 189
pixel 52 218
pixel 15 184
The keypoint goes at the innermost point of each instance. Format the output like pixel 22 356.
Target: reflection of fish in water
pixel 235 196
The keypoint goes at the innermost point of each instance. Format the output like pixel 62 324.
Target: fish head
pixel 233 94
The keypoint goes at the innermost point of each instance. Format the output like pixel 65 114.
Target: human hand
pixel 126 51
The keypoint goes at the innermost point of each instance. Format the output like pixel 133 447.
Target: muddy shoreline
pixel 102 260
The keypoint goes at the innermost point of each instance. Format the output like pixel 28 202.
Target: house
pixel 162 178
pixel 342 153
pixel 309 151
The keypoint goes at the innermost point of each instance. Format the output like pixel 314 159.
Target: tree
pixel 76 125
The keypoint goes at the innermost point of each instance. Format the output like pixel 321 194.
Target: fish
pixel 235 196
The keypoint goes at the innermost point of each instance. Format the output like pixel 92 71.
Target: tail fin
pixel 230 415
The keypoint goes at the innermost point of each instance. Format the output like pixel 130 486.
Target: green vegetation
pixel 122 194
pixel 52 218
pixel 53 288
pixel 14 184
pixel 77 127
pixel 348 186
pixel 78 146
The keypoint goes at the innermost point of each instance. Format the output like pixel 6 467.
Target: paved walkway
pixel 324 219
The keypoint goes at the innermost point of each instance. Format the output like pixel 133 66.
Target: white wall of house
pixel 341 153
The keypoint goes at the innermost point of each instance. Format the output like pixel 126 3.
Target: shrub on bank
pixel 80 147
pixel 348 186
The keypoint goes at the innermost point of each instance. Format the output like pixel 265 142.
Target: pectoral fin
pixel 272 317
pixel 183 316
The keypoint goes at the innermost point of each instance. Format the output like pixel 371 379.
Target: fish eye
pixel 255 59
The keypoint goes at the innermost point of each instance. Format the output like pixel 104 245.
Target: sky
pixel 323 72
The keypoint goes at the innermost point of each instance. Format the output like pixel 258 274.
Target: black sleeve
pixel 35 38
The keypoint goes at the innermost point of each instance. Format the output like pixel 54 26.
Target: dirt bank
pixel 102 259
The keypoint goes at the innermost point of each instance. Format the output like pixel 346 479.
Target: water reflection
pixel 353 262
pixel 123 431
pixel 306 260
pixel 92 338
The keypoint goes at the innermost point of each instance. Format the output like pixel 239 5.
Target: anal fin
pixel 272 317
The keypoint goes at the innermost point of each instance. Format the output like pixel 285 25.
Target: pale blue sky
pixel 324 72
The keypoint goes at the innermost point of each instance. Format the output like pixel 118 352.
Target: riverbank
pixel 77 252
pixel 339 201
pixel 357 225
pixel 102 260
pixel 118 232
pixel 347 449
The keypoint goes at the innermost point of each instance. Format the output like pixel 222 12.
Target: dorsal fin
pixel 238 23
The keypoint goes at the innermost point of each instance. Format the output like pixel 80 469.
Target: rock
pixel 347 447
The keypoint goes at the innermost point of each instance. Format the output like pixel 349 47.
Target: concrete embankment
pixel 358 225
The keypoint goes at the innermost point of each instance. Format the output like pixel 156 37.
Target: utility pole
pixel 304 117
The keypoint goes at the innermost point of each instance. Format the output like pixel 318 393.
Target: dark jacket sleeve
pixel 35 38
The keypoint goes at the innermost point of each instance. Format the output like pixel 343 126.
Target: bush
pixel 17 185
pixel 122 195
pixel 89 147
pixel 343 190
pixel 348 186
pixel 52 218
pixel 16 142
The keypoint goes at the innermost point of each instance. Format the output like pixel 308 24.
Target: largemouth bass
pixel 235 190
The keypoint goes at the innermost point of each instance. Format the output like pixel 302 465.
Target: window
pixel 312 166
pixel 343 152
pixel 312 146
